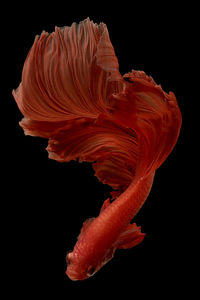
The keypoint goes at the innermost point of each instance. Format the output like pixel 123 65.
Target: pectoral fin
pixel 130 237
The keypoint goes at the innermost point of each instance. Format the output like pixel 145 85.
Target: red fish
pixel 73 94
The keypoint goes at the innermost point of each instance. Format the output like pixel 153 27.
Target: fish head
pixel 80 267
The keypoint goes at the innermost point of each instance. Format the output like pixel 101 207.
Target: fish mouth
pixel 71 276
pixel 74 276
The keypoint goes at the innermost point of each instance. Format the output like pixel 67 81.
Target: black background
pixel 47 202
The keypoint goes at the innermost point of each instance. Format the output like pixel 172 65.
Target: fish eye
pixel 69 257
pixel 91 270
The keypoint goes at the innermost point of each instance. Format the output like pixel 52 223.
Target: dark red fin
pixel 131 237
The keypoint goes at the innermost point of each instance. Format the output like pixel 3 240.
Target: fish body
pixel 100 237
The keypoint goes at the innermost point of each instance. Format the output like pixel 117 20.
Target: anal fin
pixel 130 237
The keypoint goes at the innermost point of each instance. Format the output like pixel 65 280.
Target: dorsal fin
pixel 105 205
pixel 86 224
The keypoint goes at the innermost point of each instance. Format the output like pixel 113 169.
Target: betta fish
pixel 73 94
